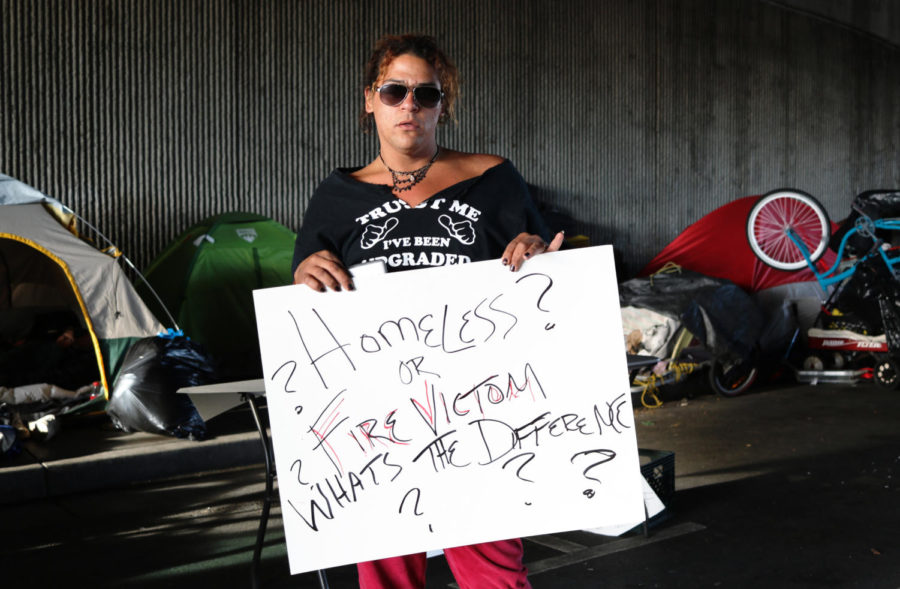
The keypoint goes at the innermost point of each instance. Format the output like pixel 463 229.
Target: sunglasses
pixel 392 94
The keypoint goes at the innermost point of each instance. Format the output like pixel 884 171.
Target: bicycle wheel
pixel 773 215
pixel 731 378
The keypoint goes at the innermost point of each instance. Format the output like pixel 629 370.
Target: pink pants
pixel 492 565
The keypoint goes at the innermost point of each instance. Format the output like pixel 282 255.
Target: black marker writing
pixel 287 381
pixel 325 425
pixel 613 416
pixel 499 438
pixel 494 394
pixel 299 464
pixel 315 507
pixel 428 412
pixel 515 319
pixel 540 298
pixel 528 457
pixel 441 454
pixel 368 468
pixel 339 492
pixel 315 361
pixel 480 316
pixel 409 369
pixel 418 496
pixel 605 455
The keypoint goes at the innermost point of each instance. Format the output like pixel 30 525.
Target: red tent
pixel 716 245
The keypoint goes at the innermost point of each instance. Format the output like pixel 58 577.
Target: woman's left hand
pixel 526 245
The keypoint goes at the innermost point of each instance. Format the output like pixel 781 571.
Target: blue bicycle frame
pixel 864 226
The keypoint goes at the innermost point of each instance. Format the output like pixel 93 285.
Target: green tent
pixel 206 278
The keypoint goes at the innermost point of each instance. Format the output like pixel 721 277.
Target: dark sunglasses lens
pixel 427 96
pixel 392 94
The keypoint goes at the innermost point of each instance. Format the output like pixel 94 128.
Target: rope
pixel 649 389
pixel 650 383
pixel 667 268
pixel 649 386
pixel 683 369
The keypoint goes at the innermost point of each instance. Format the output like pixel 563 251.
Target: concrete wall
pixel 878 18
pixel 633 117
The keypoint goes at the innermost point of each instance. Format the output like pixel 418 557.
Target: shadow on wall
pixel 578 233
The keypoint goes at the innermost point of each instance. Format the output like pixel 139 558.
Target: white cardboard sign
pixel 448 406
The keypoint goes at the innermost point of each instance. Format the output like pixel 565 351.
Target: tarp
pixel 46 269
pixel 721 315
pixel 716 245
pixel 206 278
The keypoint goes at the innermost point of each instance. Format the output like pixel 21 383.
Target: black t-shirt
pixel 470 221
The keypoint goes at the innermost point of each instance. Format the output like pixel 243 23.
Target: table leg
pixel 267 501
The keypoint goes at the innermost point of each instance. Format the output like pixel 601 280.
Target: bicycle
pixel 789 230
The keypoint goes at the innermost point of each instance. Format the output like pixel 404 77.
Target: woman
pixel 414 205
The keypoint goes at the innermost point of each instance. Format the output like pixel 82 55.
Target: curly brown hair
pixel 424 47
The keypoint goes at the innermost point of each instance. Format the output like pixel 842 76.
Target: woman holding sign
pixel 415 205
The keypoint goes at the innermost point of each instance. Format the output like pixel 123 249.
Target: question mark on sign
pixel 415 509
pixel 543 293
pixel 605 456
pixel 551 325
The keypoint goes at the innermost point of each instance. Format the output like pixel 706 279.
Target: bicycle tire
pixel 730 379
pixel 770 218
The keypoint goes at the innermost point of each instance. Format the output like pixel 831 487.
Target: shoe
pixel 836 320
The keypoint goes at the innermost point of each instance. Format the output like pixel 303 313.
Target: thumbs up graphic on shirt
pixel 463 231
pixel 375 233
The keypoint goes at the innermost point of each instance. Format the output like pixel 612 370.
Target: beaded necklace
pixel 406 180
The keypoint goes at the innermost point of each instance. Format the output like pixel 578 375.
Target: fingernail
pixel 504 261
pixel 512 268
pixel 352 286
pixel 527 254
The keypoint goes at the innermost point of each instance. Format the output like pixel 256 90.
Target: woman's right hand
pixel 323 270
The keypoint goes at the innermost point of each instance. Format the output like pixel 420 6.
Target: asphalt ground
pixel 786 486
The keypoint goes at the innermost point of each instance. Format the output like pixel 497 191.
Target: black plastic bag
pixel 875 204
pixel 726 320
pixel 723 317
pixel 145 396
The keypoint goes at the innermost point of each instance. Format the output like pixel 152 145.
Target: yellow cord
pixel 650 383
pixel 667 268
pixel 649 387
pixel 683 369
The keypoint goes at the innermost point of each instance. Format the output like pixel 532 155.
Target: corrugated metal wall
pixel 634 117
